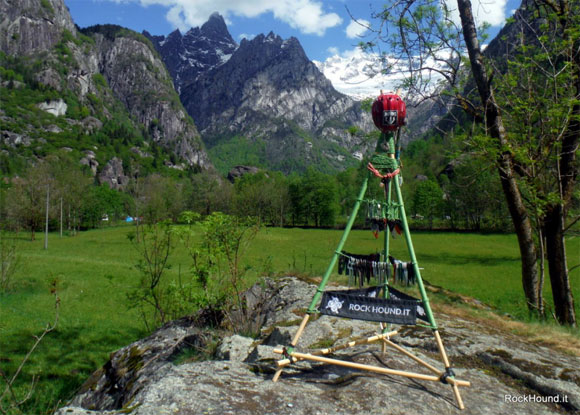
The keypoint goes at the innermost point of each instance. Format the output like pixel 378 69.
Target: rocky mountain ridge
pixel 265 91
pixel 151 375
pixel 199 50
pixel 32 26
pixel 106 74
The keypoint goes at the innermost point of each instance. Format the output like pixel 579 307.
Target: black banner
pixel 365 304
pixel 360 307
pixel 398 295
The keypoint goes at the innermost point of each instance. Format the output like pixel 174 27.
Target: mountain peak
pixel 175 34
pixel 215 16
pixel 197 51
pixel 216 27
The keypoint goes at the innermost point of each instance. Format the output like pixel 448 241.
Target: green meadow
pixel 95 270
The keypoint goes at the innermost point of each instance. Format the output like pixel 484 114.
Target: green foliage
pixel 367 104
pixel 225 240
pixel 217 257
pixel 100 80
pixel 103 202
pixel 353 130
pixel 47 6
pixel 216 279
pixel 154 245
pixel 474 197
pixel 158 198
pixel 238 151
pixel 67 36
pixel 302 150
pixel 314 198
pixel 264 196
pixel 428 200
pixel 540 86
pixel 19 99
pixel 9 258
pixel 63 52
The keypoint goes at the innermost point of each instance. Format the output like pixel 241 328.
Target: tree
pixel 264 196
pixel 210 193
pixel 564 14
pixel 100 201
pixel 432 43
pixel 314 197
pixel 9 259
pixel 69 188
pixel 27 197
pixel 217 264
pixel 154 249
pixel 474 195
pixel 541 86
pixel 252 196
pixel 428 200
pixel 226 238
pixel 349 182
pixel 158 198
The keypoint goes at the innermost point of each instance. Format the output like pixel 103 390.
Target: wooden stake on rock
pixel 286 362
pixel 293 343
pixel 384 371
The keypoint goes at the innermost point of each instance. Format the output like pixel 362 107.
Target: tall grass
pixel 95 271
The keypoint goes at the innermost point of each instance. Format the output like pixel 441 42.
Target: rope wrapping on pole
pixel 383 162
pixel 377 173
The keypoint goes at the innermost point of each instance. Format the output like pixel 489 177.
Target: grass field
pixel 95 271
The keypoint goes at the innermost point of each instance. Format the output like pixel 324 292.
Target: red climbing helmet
pixel 389 112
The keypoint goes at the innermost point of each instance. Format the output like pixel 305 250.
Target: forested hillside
pixel 103 96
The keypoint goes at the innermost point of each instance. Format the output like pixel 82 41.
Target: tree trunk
pixel 494 125
pixel 542 241
pixel 556 250
pixel 556 214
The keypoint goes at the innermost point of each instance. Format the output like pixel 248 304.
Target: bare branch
pixel 8 389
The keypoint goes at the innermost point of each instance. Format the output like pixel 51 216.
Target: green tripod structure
pixel 386 166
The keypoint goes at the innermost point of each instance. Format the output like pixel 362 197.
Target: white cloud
pixel 490 11
pixel 246 36
pixel 307 16
pixel 333 50
pixel 356 29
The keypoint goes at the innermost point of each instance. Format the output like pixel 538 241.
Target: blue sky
pixel 323 27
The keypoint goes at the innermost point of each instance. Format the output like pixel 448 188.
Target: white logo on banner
pixel 334 304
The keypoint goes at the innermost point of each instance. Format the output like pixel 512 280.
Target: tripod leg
pixel 447 366
pixel 326 277
pixel 293 343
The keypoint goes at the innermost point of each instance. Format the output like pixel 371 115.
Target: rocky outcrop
pixel 57 107
pixel 138 78
pixel 90 161
pixel 14 140
pixel 151 377
pixel 32 26
pixel 113 174
pixel 239 171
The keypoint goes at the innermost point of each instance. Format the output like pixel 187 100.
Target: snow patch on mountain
pixel 360 74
